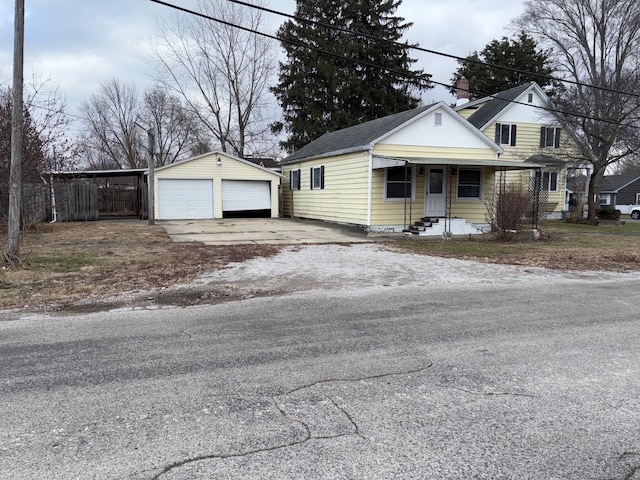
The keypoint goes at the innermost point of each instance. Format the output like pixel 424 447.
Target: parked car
pixel 635 212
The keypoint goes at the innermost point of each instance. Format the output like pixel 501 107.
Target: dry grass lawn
pixel 67 263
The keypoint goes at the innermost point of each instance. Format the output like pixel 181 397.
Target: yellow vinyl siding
pixel 434 152
pixel 205 167
pixel 392 212
pixel 344 198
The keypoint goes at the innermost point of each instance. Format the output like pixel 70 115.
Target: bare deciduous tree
pixel 45 145
pixel 113 140
pixel 223 73
pixel 176 128
pixel 593 42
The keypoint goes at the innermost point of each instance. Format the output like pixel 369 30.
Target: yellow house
pixel 518 120
pixel 215 185
pixel 427 170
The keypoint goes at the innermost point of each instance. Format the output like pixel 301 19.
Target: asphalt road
pixel 401 382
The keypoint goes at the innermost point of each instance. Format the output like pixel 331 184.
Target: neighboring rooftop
pixel 613 183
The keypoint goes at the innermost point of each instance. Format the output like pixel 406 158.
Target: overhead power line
pixel 405 74
pixel 426 50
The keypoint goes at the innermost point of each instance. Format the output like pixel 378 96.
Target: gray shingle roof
pixel 354 138
pixel 613 183
pixel 499 102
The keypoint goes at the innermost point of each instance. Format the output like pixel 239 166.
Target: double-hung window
pixel 550 181
pixel 398 183
pixel 469 183
pixel 317 178
pixel 506 134
pixel 549 137
pixel 294 179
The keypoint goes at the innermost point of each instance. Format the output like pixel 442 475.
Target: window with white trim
pixel 550 181
pixel 294 179
pixel 604 199
pixel 438 119
pixel 317 178
pixel 469 183
pixel 549 137
pixel 637 198
pixel 398 183
pixel 506 134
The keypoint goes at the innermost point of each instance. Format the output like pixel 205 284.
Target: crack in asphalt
pixel 356 429
pixel 635 469
pixel 359 379
pixel 489 394
pixel 307 435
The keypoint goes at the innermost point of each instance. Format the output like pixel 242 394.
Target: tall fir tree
pixel 520 53
pixel 333 79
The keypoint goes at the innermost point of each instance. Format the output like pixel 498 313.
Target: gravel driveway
pixel 344 267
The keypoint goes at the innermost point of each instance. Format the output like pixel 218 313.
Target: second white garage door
pixel 246 196
pixel 185 199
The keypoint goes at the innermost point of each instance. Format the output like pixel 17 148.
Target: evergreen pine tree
pixel 321 88
pixel 521 53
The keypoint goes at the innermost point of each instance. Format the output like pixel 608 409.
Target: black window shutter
pixel 322 177
pixel 557 139
pixel 291 179
pixel 311 178
pixel 513 135
pixel 498 127
pixel 543 131
pixel 299 179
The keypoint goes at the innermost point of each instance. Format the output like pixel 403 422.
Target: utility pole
pixel 15 175
pixel 151 139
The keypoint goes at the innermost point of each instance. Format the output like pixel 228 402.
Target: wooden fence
pixel 73 203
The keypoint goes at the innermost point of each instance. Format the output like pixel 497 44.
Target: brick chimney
pixel 462 91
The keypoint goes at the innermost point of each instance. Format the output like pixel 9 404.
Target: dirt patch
pixel 76 265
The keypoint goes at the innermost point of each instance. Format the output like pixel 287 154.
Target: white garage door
pixel 185 199
pixel 245 195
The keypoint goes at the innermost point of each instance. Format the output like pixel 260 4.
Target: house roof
pixel 496 104
pixel 364 135
pixel 357 137
pixel 219 154
pixel 614 183
pixel 264 161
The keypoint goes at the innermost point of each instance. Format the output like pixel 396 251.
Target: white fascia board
pixel 454 115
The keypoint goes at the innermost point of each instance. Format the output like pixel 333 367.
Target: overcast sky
pixel 81 44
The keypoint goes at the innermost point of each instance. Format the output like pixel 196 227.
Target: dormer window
pixel 438 119
pixel 530 98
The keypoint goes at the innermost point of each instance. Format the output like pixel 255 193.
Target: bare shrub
pixel 507 211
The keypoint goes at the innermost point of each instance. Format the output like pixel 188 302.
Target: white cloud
pixel 83 44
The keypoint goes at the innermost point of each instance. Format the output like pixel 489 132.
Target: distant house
pixel 619 192
pixel 266 162
pixel 433 168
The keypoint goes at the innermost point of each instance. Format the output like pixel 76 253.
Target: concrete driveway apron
pixel 260 231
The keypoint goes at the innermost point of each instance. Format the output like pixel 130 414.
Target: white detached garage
pixel 215 185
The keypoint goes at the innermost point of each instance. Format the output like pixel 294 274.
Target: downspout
pixel 370 187
pixel 54 212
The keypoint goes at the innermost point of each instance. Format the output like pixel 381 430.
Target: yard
pixel 72 266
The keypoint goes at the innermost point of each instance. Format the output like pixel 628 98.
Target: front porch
pixel 442 197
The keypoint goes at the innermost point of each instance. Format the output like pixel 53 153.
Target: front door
pixel 435 197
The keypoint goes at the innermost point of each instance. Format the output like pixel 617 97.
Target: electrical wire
pixel 405 74
pixel 426 50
